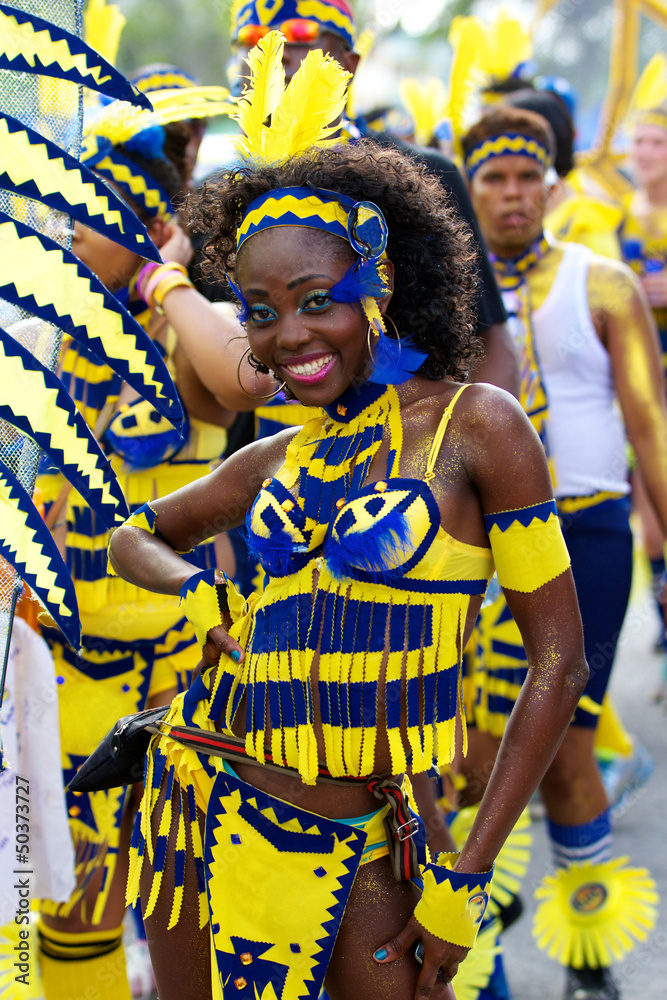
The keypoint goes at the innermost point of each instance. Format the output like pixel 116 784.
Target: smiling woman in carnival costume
pixel 378 525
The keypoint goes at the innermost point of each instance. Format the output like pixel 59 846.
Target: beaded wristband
pixel 204 602
pixel 166 285
pixel 453 903
pixel 171 272
pixel 145 272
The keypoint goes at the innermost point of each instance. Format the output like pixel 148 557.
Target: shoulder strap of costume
pixel 440 435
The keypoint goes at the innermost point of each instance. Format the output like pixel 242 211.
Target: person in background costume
pixel 643 236
pixel 378 525
pixel 137 650
pixel 573 216
pixel 588 343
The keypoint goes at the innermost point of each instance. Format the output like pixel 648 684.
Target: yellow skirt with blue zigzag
pixel 273 879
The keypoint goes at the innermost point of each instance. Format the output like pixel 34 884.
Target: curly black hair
pixel 431 248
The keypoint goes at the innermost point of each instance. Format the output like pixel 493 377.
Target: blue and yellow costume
pixel 135 645
pixel 567 391
pixel 368 591
pixel 358 632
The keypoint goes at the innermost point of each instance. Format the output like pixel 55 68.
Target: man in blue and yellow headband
pixel 590 373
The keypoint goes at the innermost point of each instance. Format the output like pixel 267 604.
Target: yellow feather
pixel 426 103
pixel 651 88
pixel 506 44
pixel 363 46
pixel 267 84
pixel 312 103
pixel 121 121
pixel 103 26
pixel 466 37
pixel 364 43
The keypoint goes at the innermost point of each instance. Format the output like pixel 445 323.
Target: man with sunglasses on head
pixel 329 25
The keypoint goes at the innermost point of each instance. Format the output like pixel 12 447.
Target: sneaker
pixel 590 984
pixel 623 776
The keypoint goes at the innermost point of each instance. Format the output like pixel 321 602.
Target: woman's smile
pixel 309 369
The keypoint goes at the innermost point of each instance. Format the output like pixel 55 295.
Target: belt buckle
pixel 407 830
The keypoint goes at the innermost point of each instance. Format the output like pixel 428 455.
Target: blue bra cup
pixel 383 531
pixel 142 436
pixel 274 528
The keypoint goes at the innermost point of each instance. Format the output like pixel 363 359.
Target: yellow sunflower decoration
pixel 593 915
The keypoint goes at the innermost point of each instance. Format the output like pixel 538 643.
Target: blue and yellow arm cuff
pixel 528 546
pixel 453 903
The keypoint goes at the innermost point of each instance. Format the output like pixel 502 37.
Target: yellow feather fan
pixel 103 25
pixel 512 862
pixel 466 36
pixel 363 46
pixel 476 971
pixel 430 103
pixel 302 115
pixel 120 121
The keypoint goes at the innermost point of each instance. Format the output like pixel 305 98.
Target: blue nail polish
pixel 381 954
pixel 235 655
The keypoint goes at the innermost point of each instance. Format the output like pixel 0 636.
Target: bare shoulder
pixel 486 406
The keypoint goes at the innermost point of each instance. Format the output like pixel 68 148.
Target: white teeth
pixel 311 368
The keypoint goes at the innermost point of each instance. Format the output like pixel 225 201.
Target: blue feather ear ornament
pixel 395 361
pixel 363 278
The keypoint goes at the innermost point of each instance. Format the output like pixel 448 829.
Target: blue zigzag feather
pixel 37 376
pixel 100 75
pixel 129 232
pixel 44 544
pixel 164 397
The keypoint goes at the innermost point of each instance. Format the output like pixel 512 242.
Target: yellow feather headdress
pixel 649 98
pixel 303 114
pixel 426 103
pixel 503 44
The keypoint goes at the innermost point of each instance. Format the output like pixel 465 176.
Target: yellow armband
pixel 453 903
pixel 144 517
pixel 528 546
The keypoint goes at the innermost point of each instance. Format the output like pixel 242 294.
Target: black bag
pixel 119 759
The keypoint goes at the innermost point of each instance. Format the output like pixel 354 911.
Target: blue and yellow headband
pixel 361 223
pixel 104 158
pixel 506 144
pixel 162 76
pixel 332 15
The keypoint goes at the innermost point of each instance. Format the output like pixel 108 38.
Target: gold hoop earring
pixel 270 395
pixel 372 330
